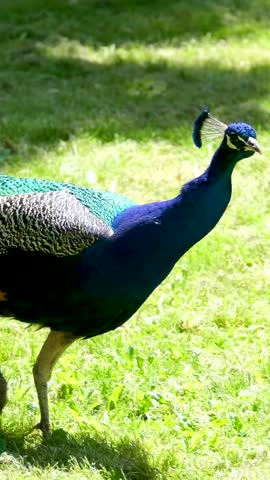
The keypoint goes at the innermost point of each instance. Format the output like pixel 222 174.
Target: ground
pixel 104 93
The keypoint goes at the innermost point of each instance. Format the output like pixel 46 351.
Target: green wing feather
pixel 105 205
pixel 54 217
pixel 50 222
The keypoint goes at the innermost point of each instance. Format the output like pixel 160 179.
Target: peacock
pixel 81 261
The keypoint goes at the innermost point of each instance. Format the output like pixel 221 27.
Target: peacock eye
pixel 233 138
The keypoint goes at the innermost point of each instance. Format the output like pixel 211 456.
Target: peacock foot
pixel 45 429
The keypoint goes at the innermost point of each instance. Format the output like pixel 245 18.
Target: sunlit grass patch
pixel 104 94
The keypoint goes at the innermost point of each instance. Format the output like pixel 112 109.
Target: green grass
pixel 104 93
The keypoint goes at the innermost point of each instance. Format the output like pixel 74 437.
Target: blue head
pixel 241 137
pixel 238 138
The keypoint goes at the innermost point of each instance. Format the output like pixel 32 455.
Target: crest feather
pixel 207 127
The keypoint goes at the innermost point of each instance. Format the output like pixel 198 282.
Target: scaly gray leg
pixel 3 392
pixel 54 346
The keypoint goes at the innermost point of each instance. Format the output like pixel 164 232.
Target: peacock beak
pixel 253 145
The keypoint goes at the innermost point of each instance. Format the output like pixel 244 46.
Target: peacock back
pixel 54 217
pixel 104 204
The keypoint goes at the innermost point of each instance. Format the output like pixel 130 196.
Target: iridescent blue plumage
pixel 100 288
pixel 242 129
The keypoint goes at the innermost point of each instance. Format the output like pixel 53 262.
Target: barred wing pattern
pixel 52 222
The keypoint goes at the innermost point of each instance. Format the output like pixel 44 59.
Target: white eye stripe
pixel 230 144
pixel 242 140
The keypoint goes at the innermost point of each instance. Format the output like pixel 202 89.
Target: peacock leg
pixel 3 392
pixel 55 344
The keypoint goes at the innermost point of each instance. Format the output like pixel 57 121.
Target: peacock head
pixel 240 137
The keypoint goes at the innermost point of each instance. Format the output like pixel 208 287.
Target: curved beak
pixel 253 145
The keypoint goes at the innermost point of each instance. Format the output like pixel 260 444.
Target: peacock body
pixel 81 261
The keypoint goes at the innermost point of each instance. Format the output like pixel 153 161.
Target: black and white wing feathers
pixel 52 222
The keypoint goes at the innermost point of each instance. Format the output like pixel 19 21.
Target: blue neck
pixel 201 203
pixel 149 239
pixel 224 160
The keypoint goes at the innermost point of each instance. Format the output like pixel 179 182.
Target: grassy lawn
pixel 103 93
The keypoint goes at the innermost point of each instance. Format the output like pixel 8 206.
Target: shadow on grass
pixel 106 22
pixel 123 460
pixel 46 99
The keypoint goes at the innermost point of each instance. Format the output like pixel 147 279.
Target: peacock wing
pixel 53 222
